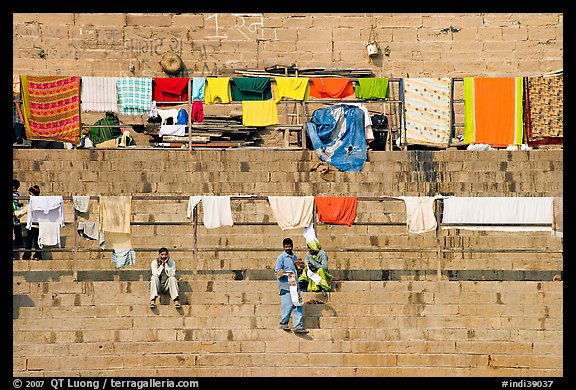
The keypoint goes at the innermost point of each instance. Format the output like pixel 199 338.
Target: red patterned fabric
pixel 52 108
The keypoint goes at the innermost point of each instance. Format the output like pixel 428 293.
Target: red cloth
pixel 170 89
pixel 197 111
pixel 328 87
pixel 336 210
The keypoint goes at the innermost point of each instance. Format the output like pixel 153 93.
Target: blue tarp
pixel 337 135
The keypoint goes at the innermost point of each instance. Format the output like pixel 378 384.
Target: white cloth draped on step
pixel 420 216
pixel 499 211
pixel 292 212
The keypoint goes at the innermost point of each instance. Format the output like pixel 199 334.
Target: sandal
pixel 152 305
pixel 177 304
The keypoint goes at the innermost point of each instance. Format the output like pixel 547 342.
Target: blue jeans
pixel 286 309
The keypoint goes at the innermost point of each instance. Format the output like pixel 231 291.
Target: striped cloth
pixel 427 108
pixel 99 94
pixel 134 95
pixel 51 108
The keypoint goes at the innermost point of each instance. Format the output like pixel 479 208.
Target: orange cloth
pixel 495 110
pixel 336 210
pixel 328 87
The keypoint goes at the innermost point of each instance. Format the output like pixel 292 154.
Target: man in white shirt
pixel 163 278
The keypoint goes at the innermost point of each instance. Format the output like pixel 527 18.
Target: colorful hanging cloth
pixel 369 88
pixel 493 111
pixel 134 95
pixel 250 88
pixel 170 89
pixel 336 210
pixel 427 109
pixel 51 108
pixel 328 87
pixel 296 88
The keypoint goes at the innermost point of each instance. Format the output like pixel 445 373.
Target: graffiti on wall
pixel 249 26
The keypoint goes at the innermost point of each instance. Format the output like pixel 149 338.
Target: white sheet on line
pixel 501 211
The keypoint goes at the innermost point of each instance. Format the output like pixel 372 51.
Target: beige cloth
pixel 292 212
pixel 420 216
pixel 115 213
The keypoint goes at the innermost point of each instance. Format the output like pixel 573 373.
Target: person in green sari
pixel 316 272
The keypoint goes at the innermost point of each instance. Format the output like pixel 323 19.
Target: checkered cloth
pixel 134 95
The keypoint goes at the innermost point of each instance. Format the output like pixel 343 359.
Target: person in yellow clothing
pixel 316 271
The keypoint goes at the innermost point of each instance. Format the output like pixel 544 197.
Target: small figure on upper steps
pixel 163 278
pixel 286 274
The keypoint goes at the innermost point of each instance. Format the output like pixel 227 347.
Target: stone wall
pixel 411 44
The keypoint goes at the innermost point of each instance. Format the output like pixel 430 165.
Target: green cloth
pixel 250 88
pixel 372 88
pixel 101 134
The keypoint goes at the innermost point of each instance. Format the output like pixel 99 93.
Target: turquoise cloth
pixel 372 88
pixel 250 88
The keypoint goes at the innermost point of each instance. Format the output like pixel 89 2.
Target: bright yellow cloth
pixel 217 90
pixel 259 113
pixel 296 88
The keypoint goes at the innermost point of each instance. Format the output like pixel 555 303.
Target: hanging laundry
pixel 336 210
pixel 420 216
pixel 198 86
pixel 250 88
pixel 328 87
pixel 99 94
pixel 369 88
pixel 337 135
pixel 493 111
pixel 368 132
pixel 544 110
pixel 427 111
pixel 51 108
pixel 115 213
pixel 45 209
pixel 260 114
pixel 197 111
pixel 217 211
pixel 123 257
pixel 496 211
pixel 217 90
pixel 134 95
pixel 292 212
pixel 296 88
pixel 48 234
pixel 170 89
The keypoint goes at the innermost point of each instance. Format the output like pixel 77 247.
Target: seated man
pixel 316 275
pixel 163 278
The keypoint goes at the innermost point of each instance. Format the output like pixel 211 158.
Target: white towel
pixel 81 203
pixel 48 233
pixel 292 212
pixel 192 202
pixel 217 211
pixel 420 216
pixel 498 211
pixel 99 94
pixel 45 209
